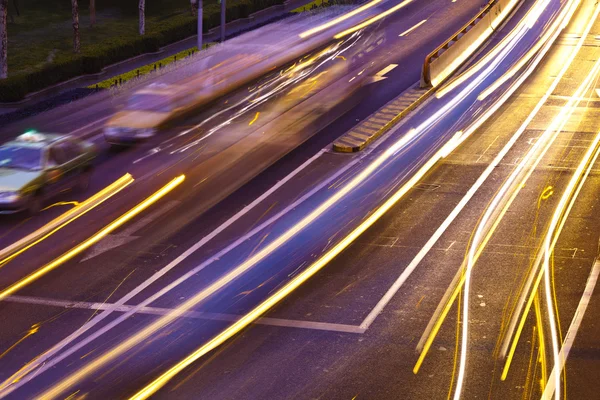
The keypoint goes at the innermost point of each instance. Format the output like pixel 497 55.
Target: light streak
pixel 411 136
pixel 543 257
pixel 373 19
pixel 17 248
pixel 567 14
pixel 336 21
pixel 409 30
pixel 515 34
pixel 288 288
pixel 254 119
pixel 92 240
pixel 466 53
pixel 556 126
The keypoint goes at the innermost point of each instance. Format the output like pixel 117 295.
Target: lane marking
pixel 573 329
pixel 98 236
pixel 115 240
pixel 12 384
pixel 386 70
pixel 43 362
pixel 84 305
pixel 409 30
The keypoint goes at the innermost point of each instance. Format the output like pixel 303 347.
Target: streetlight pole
pixel 223 8
pixel 199 14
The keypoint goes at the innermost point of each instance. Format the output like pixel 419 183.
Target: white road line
pixel 482 178
pixel 409 30
pixel 386 70
pixel 52 356
pixel 438 233
pixel 573 328
pixel 287 323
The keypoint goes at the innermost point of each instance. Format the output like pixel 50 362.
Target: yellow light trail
pixel 17 248
pixel 475 250
pixel 556 126
pixel 254 119
pixel 520 29
pixel 372 20
pixel 249 263
pixel 557 222
pixel 92 240
pixel 336 21
pixel 287 289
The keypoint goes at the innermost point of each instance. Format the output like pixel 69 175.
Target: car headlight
pixel 144 133
pixel 9 197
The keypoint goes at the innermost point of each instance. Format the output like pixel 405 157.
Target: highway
pixel 424 215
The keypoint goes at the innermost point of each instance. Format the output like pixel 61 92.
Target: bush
pixel 92 60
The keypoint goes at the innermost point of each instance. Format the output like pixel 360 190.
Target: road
pixel 355 329
pixel 168 233
pixel 315 345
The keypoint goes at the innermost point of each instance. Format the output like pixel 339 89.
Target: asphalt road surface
pixel 339 335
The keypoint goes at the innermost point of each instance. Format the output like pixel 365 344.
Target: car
pixel 35 167
pixel 145 112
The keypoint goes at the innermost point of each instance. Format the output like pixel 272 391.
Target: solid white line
pixel 438 233
pixel 573 328
pixel 43 362
pixel 409 30
pixel 287 323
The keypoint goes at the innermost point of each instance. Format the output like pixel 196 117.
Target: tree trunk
pixel 92 13
pixel 3 39
pixel 142 7
pixel 75 14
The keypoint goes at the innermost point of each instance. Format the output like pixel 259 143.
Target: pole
pixel 199 13
pixel 3 40
pixel 223 8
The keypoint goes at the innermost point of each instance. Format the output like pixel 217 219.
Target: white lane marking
pixel 118 239
pixel 573 328
pixel 409 30
pixel 84 305
pixel 438 233
pixel 386 70
pixel 42 363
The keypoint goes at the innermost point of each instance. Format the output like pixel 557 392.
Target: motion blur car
pixel 35 167
pixel 146 111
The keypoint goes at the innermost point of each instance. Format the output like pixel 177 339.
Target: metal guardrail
pixel 426 75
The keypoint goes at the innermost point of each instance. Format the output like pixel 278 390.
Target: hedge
pixel 92 60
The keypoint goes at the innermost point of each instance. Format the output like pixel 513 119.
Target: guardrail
pixel 454 52
pixel 10 252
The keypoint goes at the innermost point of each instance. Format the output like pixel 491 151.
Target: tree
pixel 142 8
pixel 3 39
pixel 75 15
pixel 92 13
